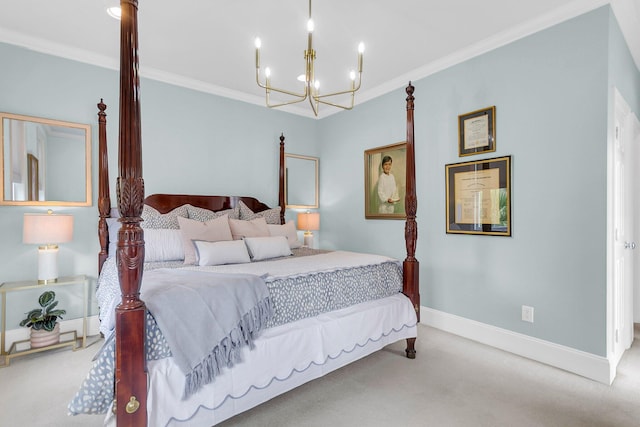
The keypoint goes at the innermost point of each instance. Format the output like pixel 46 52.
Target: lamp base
pixel 47 264
pixel 308 239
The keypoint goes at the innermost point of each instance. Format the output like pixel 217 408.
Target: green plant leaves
pixel 45 317
pixel 46 298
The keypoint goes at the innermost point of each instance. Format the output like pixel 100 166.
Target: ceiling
pixel 208 44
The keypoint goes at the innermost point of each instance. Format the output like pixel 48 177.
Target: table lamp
pixel 308 221
pixel 47 230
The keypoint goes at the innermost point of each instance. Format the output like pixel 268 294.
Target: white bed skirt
pixel 284 358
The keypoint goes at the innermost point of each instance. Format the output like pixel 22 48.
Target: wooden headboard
pixel 164 203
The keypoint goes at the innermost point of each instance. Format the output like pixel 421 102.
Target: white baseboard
pixel 576 361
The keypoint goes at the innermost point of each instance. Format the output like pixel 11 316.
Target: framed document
pixel 385 181
pixel 477 132
pixel 479 197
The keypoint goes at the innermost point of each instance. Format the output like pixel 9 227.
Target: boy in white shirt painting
pixel 387 188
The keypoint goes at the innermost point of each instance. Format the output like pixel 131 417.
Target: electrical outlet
pixel 527 313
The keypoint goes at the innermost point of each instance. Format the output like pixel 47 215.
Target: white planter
pixel 42 338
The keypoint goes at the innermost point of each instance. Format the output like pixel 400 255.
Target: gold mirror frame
pixel 33 165
pixel 301 178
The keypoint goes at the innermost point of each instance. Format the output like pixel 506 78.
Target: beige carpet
pixel 453 382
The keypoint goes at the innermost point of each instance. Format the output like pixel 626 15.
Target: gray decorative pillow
pixel 272 216
pixel 202 215
pixel 154 219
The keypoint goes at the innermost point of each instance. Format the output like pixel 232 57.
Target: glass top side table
pixel 71 337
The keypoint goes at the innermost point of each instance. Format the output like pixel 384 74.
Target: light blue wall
pixel 192 143
pixel 550 91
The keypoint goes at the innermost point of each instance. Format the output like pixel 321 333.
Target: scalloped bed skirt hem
pixel 284 358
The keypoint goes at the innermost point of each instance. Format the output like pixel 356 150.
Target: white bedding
pixel 290 267
pixel 285 357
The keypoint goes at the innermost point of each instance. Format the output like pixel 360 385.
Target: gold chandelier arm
pixel 314 107
pixel 269 88
pixel 302 96
pixel 338 105
pixel 320 99
pixel 258 79
pixel 351 91
pixel 295 101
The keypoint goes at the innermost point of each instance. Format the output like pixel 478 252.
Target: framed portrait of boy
pixel 385 170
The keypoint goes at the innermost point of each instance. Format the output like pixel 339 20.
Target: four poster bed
pixel 294 313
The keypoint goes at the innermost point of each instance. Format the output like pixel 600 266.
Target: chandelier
pixel 311 85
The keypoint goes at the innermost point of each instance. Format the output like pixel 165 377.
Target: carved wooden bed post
pixel 281 198
pixel 104 199
pixel 131 376
pixel 410 266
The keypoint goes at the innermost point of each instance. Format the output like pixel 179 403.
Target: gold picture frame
pixel 479 197
pixel 384 192
pixel 477 132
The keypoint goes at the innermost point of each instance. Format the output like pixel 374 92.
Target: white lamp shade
pixel 49 228
pixel 309 221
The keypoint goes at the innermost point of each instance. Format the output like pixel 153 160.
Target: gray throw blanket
pixel 206 318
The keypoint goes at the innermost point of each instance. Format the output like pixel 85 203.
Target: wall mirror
pixel 301 181
pixel 44 162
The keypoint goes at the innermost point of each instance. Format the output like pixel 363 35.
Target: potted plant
pixel 43 321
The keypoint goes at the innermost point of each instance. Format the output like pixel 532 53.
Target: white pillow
pixel 287 230
pixel 261 248
pixel 223 252
pixel 160 244
pixel 163 245
pixel 113 226
pixel 213 230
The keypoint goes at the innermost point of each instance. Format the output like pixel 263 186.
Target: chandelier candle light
pixel 311 85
